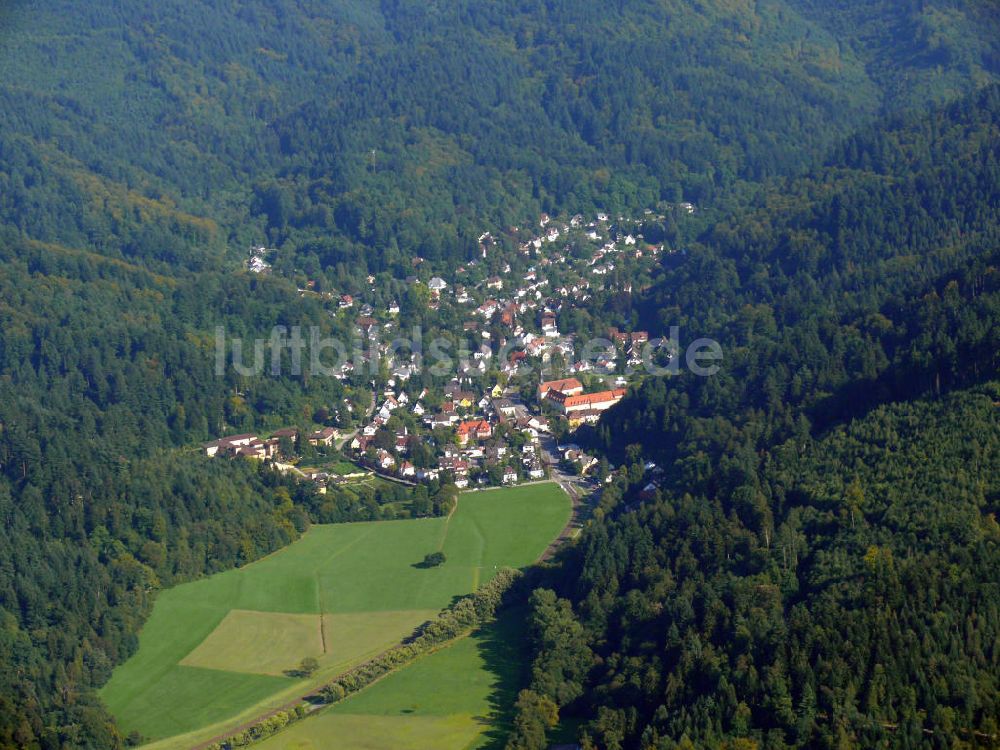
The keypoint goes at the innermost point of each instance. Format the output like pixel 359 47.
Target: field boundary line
pixel 447 523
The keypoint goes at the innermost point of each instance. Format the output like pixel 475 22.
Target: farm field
pixel 216 651
pixel 454 699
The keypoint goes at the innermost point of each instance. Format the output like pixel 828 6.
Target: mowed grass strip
pixel 259 643
pixel 344 569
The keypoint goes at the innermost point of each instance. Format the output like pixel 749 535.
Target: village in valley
pixel 469 439
pixel 531 366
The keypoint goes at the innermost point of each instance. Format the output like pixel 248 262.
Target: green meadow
pixel 458 698
pixel 221 650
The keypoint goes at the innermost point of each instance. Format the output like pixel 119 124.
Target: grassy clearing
pixel 454 699
pixel 363 580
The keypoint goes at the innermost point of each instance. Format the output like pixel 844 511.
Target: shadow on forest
pixel 503 647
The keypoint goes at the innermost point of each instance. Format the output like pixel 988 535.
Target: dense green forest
pixel 847 261
pixel 872 278
pixel 817 564
pixel 844 594
pixel 355 135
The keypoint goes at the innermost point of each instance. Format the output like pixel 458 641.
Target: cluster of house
pixel 554 271
pixel 531 313
pixel 563 260
pixel 513 465
pixel 251 446
pixel 525 346
pixel 488 437
pixel 478 437
pixel 480 428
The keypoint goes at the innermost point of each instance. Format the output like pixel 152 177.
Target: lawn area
pixel 216 649
pixel 455 699
pixel 343 467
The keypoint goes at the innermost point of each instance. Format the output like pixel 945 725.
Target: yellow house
pixel 497 391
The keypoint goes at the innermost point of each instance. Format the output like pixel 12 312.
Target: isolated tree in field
pixel 433 559
pixel 307 666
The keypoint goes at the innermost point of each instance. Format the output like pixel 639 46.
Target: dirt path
pixel 572 525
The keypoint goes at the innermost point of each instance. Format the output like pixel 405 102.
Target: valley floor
pixel 222 650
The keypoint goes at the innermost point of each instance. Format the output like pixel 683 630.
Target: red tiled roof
pixel 475 425
pixel 566 384
pixel 588 398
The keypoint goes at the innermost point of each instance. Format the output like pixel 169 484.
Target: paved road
pixel 575 485
pixel 578 489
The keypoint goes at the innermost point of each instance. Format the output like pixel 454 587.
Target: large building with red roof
pixel 599 401
pixel 568 386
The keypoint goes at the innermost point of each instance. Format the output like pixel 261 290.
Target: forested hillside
pixel 872 278
pixel 106 369
pixel 145 147
pixel 845 596
pixel 817 565
pixel 355 135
